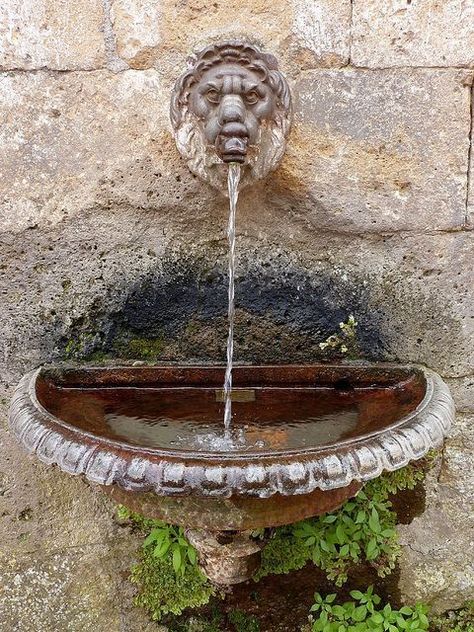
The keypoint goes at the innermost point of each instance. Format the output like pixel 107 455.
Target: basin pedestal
pixel 227 557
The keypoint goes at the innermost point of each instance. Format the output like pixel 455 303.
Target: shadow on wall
pixel 179 312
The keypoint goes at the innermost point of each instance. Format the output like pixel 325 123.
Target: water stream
pixel 233 180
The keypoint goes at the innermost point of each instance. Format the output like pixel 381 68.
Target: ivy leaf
pixel 374 522
pixel 361 517
pixel 359 613
pixel 340 534
pixel 162 550
pixel 329 519
pixel 344 550
pixel 371 549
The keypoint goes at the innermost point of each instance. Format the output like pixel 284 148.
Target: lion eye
pixel 213 96
pixel 252 97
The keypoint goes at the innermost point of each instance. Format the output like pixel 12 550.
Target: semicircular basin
pixel 304 438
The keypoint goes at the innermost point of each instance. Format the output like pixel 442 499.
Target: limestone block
pixel 75 286
pixel 57 35
pixel 375 151
pixel 137 27
pixel 422 294
pixel 437 566
pixel 63 134
pixel 163 33
pixel 413 33
pixel 43 509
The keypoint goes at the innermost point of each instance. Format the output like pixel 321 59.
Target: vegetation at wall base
pixel 365 614
pixel 461 620
pixel 169 579
pixel 362 530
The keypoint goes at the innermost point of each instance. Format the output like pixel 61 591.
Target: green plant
pixel 168 577
pixel 166 539
pixel 461 620
pixel 243 622
pixel 163 591
pixel 343 343
pixel 363 529
pixel 362 614
pixel 135 520
pixel 282 554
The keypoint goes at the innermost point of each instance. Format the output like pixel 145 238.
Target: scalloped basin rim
pixel 428 411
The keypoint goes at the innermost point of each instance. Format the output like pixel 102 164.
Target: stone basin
pixel 305 437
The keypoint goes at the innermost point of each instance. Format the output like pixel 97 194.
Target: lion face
pixel 233 105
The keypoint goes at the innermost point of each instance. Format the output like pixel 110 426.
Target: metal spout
pixel 232 149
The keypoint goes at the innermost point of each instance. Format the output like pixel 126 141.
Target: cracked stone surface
pixel 470 176
pixel 413 33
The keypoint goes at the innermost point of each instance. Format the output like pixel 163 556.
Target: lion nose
pixel 232 109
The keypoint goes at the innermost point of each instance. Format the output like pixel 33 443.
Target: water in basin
pixel 264 418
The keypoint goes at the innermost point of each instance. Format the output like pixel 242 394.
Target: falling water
pixel 233 179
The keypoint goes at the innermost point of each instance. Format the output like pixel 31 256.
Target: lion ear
pixel 179 99
pixel 281 88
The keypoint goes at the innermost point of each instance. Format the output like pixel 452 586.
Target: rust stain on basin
pixel 306 440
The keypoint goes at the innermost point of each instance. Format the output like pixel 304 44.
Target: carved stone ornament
pixel 231 105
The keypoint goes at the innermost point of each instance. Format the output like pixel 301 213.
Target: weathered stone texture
pixel 57 35
pixel 413 33
pixel 462 389
pixel 375 151
pixel 369 151
pixel 62 134
pixel 137 27
pixel 470 176
pixel 94 194
pixel 437 566
pixel 78 589
pixel 301 32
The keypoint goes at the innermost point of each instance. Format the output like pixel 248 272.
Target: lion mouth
pixel 232 149
pixel 232 143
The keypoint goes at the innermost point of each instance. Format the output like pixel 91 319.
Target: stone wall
pixel 106 237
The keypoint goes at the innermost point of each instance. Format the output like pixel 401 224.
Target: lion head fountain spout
pixel 232 105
